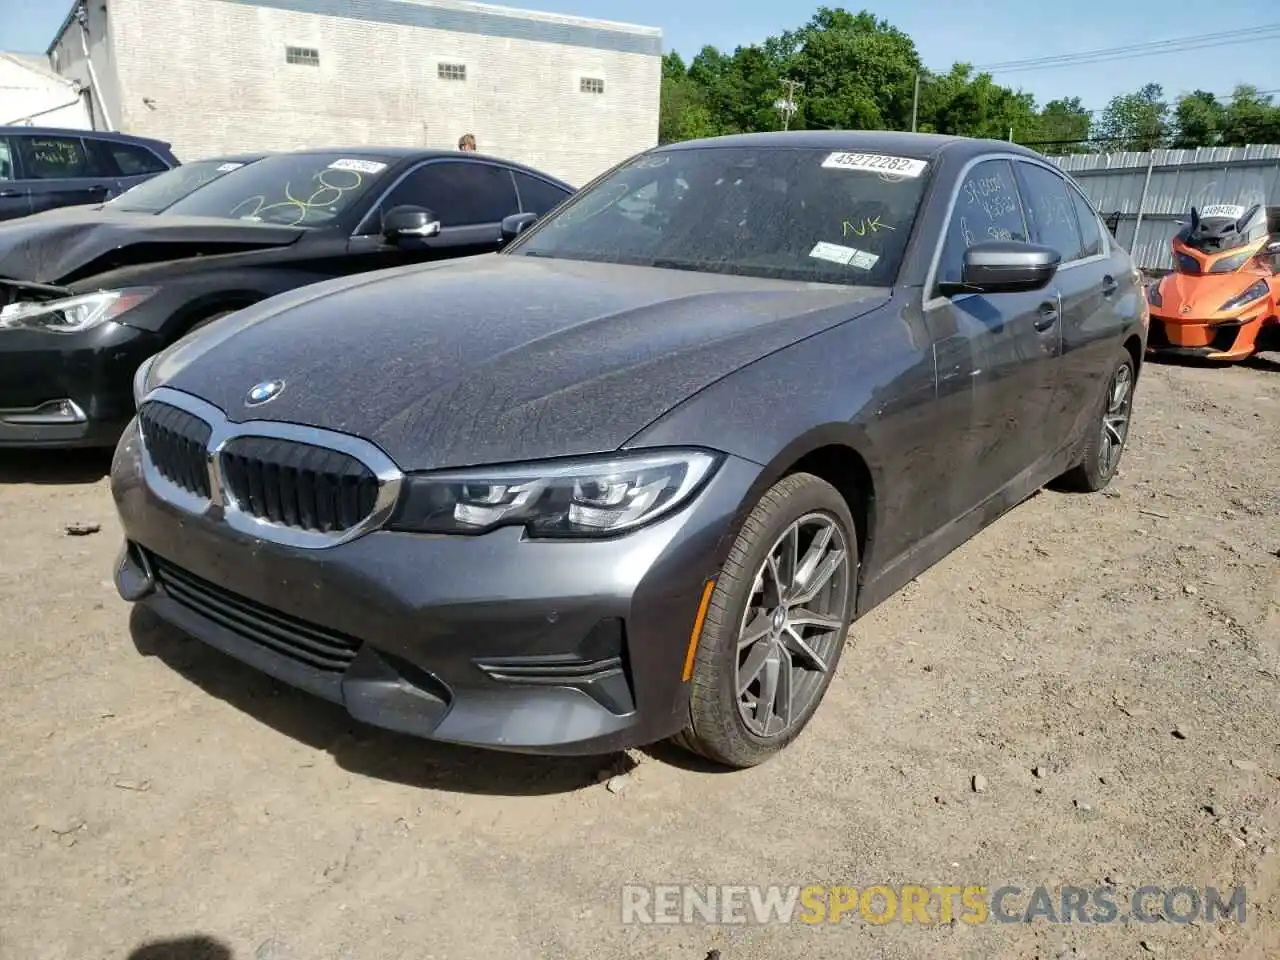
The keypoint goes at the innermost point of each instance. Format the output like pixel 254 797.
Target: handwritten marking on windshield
pixel 864 226
pixel 303 207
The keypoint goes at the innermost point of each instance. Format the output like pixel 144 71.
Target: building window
pixel 590 85
pixel 302 56
pixel 451 71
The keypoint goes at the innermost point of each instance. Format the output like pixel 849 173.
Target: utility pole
pixel 786 104
pixel 915 103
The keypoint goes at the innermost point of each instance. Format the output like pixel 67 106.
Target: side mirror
pixel 401 222
pixel 1005 266
pixel 516 224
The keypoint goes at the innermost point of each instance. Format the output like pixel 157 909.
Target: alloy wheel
pixel 1115 418
pixel 792 627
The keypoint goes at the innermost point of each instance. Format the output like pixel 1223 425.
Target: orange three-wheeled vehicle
pixel 1222 300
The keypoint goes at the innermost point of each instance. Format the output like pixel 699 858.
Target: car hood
pixel 499 358
pixel 62 249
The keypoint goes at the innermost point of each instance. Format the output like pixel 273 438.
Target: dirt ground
pixel 160 801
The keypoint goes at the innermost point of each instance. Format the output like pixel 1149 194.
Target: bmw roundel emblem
pixel 262 392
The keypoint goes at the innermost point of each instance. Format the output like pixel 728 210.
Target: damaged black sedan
pixel 87 296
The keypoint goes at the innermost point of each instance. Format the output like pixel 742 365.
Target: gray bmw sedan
pixel 633 477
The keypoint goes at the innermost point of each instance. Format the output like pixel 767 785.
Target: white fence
pixel 1145 194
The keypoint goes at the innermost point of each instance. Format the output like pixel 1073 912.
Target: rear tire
pixel 775 626
pixel 1107 433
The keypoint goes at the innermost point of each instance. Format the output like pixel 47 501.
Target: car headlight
pixel 1255 292
pixel 72 314
pixel 140 378
pixel 595 497
pixel 1153 294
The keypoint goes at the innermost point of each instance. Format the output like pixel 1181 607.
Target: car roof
pixel 421 153
pixel 920 146
pixel 72 132
pixel 233 158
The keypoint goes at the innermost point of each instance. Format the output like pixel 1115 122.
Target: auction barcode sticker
pixel 876 163
pixel 358 166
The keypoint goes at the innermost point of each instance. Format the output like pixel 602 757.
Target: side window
pixel 8 168
pixel 1090 228
pixel 54 158
pixel 460 194
pixel 1050 211
pixel 988 207
pixel 537 196
pixel 135 161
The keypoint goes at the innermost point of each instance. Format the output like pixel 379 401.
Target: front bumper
pixel 1224 340
pixel 495 641
pixel 87 376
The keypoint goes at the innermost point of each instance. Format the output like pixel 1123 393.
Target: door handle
pixel 99 188
pixel 8 194
pixel 1109 286
pixel 1046 315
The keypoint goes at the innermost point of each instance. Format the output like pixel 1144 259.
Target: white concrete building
pixel 33 95
pixel 568 95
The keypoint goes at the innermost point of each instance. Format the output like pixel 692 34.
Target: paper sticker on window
pixel 228 167
pixel 358 166
pixel 846 256
pixel 875 163
pixel 1231 210
pixel 863 260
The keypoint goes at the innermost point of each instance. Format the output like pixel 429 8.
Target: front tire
pixel 1107 434
pixel 775 626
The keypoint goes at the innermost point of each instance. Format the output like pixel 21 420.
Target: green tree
pixel 1250 118
pixel 1063 127
pixel 683 113
pixel 1198 120
pixel 1135 121
pixel 858 72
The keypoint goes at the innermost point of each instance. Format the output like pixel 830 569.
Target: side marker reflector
pixel 697 630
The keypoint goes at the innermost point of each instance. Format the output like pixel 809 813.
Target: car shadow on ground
pixel 196 947
pixel 56 467
pixel 358 748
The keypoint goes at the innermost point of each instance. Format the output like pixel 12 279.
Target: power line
pixel 1153 48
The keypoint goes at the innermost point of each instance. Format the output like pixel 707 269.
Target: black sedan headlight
pixel 1255 292
pixel 590 497
pixel 72 314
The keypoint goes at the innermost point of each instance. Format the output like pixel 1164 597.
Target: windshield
pixel 782 212
pixel 303 190
pixel 157 193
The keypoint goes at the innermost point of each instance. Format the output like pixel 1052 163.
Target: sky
pixel 994 32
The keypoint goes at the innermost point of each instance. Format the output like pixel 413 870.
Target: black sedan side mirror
pixel 516 224
pixel 1005 266
pixel 404 222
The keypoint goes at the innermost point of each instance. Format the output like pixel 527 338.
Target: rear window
pixel 133 160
